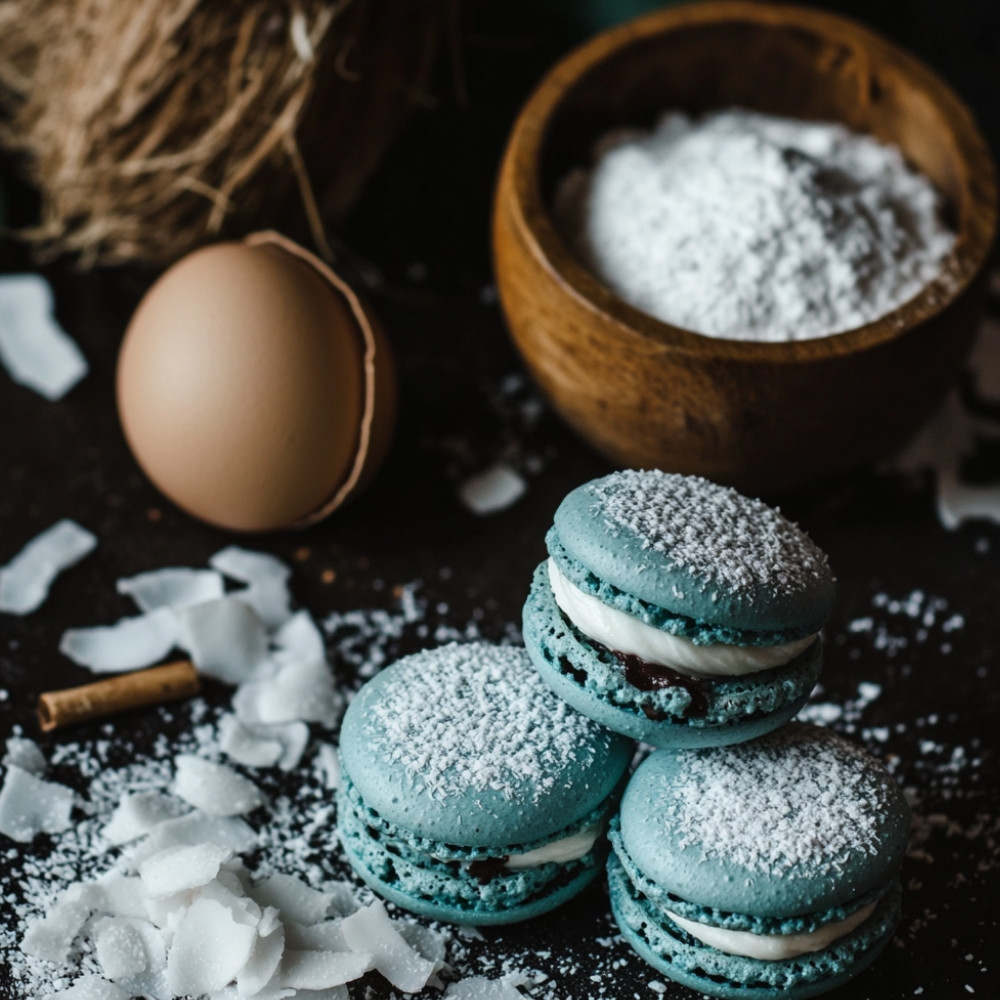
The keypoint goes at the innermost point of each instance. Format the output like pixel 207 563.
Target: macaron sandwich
pixel 677 611
pixel 763 870
pixel 469 791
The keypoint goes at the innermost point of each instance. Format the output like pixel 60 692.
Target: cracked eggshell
pixel 254 388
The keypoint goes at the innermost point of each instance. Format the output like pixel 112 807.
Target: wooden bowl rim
pixel 968 256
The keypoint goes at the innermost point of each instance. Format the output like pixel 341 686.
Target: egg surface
pixel 241 386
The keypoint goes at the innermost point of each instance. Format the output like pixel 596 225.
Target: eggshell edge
pixel 377 421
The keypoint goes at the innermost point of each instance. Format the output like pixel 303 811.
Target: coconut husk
pixel 151 126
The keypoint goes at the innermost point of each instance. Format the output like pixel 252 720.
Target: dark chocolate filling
pixel 648 676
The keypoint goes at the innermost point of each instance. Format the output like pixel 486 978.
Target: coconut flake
pixel 225 639
pixel 176 869
pixel 301 638
pixel 52 937
pixel 328 763
pixel 129 644
pixel 25 754
pixel 195 828
pixel 370 929
pixel 30 806
pixel 318 970
pixel 91 988
pixel 298 690
pixel 209 949
pixel 34 349
pixel 173 587
pixel 119 948
pixel 492 490
pixel 136 815
pixel 265 957
pixel 214 788
pixel 292 898
pixel 247 746
pixel 26 579
pixel 267 580
pixel 481 988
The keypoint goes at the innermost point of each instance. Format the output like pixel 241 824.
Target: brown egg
pixel 253 388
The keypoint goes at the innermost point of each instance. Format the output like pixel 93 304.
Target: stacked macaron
pixel 767 869
pixel 677 611
pixel 751 858
pixel 469 791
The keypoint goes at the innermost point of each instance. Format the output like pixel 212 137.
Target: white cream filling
pixel 772 947
pixel 620 631
pixel 567 849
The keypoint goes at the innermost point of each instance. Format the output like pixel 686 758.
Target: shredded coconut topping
pixel 781 805
pixel 494 723
pixel 712 531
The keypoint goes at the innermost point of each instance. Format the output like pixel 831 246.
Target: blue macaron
pixel 766 870
pixel 469 792
pixel 678 611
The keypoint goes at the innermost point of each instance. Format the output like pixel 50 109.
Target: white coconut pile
pixel 179 874
pixel 34 349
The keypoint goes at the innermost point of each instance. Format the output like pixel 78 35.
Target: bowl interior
pixel 786 61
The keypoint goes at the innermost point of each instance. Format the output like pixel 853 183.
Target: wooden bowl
pixel 764 417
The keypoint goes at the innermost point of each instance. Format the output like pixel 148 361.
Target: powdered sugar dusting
pixel 495 724
pixel 756 227
pixel 796 800
pixel 717 534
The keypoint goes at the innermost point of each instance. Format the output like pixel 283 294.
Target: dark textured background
pixel 424 224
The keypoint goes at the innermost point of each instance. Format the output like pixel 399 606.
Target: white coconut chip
pixel 492 490
pixel 34 349
pixel 25 754
pixel 209 948
pixel 327 935
pixel 119 948
pixel 265 957
pixel 91 987
pixel 129 644
pixel 292 898
pixel 195 828
pixel 30 806
pixel 301 638
pixel 481 988
pixel 370 929
pixel 266 578
pixel 176 869
pixel 297 690
pixel 246 745
pixel 173 587
pixel 328 763
pixel 214 788
pixel 318 970
pixel 136 815
pixel 51 937
pixel 225 639
pixel 26 579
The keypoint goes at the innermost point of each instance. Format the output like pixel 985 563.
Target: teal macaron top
pixel 698 550
pixel 466 745
pixel 791 823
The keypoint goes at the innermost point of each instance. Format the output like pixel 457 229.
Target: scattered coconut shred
pixel 206 866
pixel 754 227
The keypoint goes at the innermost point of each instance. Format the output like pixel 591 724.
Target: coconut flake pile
pixel 495 725
pixel 177 912
pixel 34 349
pixel 26 579
pixel 756 227
pixel 795 800
pixel 717 534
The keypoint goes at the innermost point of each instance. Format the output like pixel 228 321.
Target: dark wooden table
pixel 910 666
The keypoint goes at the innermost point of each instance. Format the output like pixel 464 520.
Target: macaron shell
pixel 790 586
pixel 579 673
pixel 843 837
pixel 708 970
pixel 522 809
pixel 542 899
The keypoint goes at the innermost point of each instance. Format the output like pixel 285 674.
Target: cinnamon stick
pixel 117 694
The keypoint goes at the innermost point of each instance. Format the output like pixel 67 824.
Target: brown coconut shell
pixel 153 126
